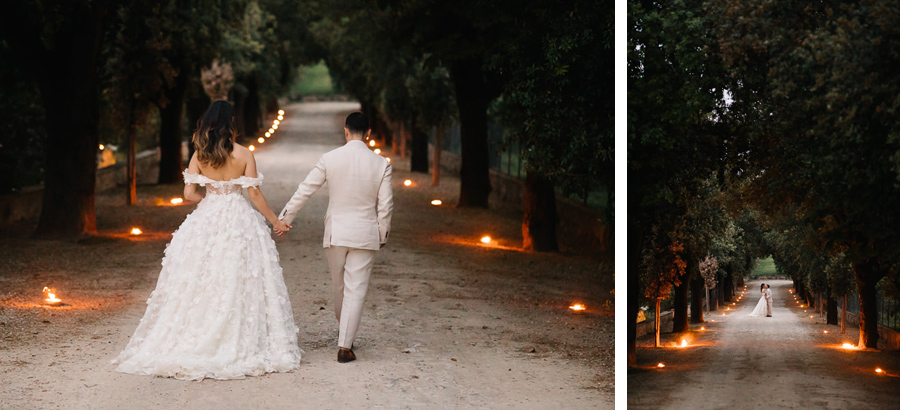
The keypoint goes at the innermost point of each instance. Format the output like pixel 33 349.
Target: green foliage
pixel 661 265
pixel 824 76
pixel 558 93
pixel 765 267
pixel 312 80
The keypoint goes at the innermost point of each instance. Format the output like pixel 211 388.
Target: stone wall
pixel 581 229
pixel 888 339
pixel 665 325
pixel 25 205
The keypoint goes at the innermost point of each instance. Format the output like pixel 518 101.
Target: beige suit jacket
pixel 360 197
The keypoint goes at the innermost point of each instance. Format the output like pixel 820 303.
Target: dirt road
pixel 448 323
pixel 784 361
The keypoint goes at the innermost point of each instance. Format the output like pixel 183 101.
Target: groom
pixel 768 301
pixel 357 223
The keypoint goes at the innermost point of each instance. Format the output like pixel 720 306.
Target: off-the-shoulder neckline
pixel 221 180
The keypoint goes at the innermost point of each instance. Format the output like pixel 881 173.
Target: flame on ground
pixel 660 365
pixel 486 239
pixel 436 202
pixel 136 231
pixel 176 201
pixel 683 343
pixel 51 296
pixel 848 346
pixel 407 182
pixel 577 307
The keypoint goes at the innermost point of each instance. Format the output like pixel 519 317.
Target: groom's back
pixel 354 175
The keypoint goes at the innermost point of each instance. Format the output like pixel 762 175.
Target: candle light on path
pixel 280 112
pixel 436 202
pixel 280 117
pixel 826 332
pixel 660 365
pixel 102 147
pixel 276 122
pixel 577 307
pixel 275 127
pixel 251 148
pixel 51 296
pixel 377 151
pixel 268 134
pixel 176 201
pixel 261 140
pixel 371 143
pixel 271 130
pixel 388 159
pixel 878 370
pixel 847 346
pixel 407 182
pixel 486 239
pixel 136 231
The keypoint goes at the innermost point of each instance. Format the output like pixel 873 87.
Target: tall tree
pixel 558 106
pixel 824 73
pixel 675 83
pixel 60 44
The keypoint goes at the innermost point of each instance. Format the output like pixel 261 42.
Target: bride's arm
pixel 190 190
pixel 256 196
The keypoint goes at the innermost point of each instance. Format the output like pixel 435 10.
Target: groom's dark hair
pixel 357 123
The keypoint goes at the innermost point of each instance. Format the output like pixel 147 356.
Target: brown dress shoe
pixel 345 355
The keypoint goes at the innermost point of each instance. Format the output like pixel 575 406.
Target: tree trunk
pixel 720 292
pixel 436 161
pixel 132 150
pixel 831 310
pixel 170 128
pixel 195 107
pixel 844 316
pixel 384 132
pixel 697 299
pixel 729 287
pixel 633 290
pixel 67 76
pixel 707 298
pixel 251 116
pixel 419 160
pixel 397 136
pixel 540 219
pixel 472 100
pixel 680 308
pixel 656 322
pixel 867 276
pixel 407 131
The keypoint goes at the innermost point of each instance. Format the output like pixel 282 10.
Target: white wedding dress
pixel 761 307
pixel 220 309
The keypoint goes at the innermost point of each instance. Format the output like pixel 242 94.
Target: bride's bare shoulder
pixel 241 151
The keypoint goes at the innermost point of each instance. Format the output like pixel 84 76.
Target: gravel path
pixel 741 362
pixel 448 323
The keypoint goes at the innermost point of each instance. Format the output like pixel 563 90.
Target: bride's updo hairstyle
pixel 214 138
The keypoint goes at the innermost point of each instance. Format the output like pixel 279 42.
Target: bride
pixel 762 305
pixel 220 309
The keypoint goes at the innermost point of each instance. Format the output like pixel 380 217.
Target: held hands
pixel 281 228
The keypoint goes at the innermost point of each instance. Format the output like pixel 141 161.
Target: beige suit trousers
pixel 350 271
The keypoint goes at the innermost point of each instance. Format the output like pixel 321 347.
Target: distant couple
pixel 221 309
pixel 764 307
